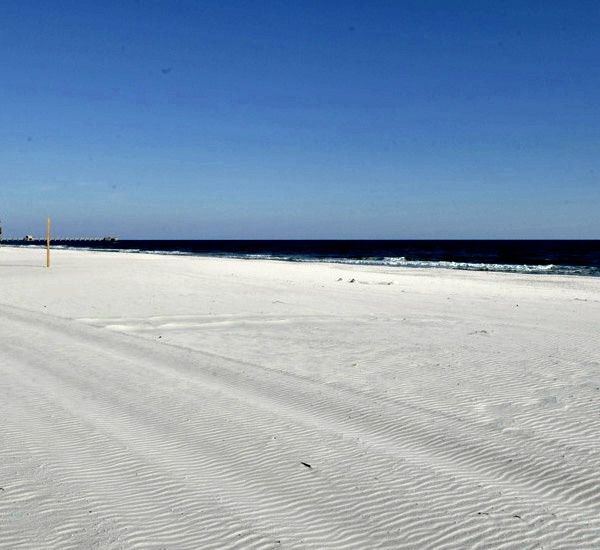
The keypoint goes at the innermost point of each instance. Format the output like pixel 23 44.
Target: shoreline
pixel 514 269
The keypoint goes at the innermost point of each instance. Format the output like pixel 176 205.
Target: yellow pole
pixel 48 227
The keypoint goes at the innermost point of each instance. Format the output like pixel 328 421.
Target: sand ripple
pixel 123 442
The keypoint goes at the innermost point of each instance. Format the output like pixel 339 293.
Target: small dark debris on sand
pixel 306 464
pixel 352 281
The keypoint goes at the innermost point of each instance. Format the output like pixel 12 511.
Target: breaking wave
pixel 404 262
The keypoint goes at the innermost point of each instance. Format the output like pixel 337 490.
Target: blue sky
pixel 323 119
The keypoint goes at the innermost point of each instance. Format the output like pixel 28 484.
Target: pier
pixel 30 239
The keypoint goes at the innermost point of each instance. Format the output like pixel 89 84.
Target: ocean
pixel 570 257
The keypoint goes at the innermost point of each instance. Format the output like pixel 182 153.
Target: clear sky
pixel 239 119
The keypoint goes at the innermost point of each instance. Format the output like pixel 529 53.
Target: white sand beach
pixel 153 401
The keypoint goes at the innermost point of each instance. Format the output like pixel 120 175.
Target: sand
pixel 152 401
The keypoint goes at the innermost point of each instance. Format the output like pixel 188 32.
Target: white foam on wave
pixel 479 266
pixel 401 261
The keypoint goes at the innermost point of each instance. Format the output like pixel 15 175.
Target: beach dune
pixel 152 401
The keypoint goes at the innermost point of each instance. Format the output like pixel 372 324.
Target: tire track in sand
pixel 180 449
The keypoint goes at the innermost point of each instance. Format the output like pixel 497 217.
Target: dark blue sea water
pixel 528 256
